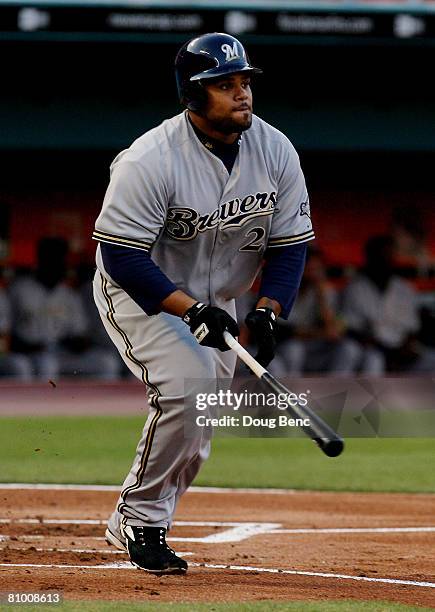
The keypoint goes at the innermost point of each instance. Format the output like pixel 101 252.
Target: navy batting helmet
pixel 206 57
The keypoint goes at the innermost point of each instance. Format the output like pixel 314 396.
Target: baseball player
pixel 193 209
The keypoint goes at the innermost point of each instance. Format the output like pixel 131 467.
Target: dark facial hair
pixel 229 126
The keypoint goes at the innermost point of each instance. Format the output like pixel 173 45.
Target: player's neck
pixel 202 124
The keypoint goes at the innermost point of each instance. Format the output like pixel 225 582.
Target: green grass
pixel 98 450
pixel 345 605
pixel 94 450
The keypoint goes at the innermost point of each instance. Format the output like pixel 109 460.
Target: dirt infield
pixel 240 546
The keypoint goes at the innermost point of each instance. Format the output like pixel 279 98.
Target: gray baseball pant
pixel 161 351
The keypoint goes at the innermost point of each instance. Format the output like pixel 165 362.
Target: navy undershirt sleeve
pixel 282 274
pixel 138 275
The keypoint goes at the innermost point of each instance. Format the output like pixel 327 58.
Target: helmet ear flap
pixel 194 96
pixel 207 57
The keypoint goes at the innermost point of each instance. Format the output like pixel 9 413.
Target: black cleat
pixel 148 550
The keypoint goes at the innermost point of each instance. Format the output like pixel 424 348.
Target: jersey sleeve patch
pixel 289 240
pixel 128 242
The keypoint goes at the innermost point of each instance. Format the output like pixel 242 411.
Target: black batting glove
pixel 261 324
pixel 208 323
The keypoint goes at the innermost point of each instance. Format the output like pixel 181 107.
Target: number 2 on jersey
pixel 256 242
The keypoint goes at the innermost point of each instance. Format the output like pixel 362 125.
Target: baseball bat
pixel 319 431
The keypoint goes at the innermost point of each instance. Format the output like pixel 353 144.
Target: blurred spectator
pixel 49 323
pixel 409 234
pixel 381 313
pixel 11 365
pixel 312 338
pixel 85 276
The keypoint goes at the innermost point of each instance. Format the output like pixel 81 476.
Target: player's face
pixel 229 103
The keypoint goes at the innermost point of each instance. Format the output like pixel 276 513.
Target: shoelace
pixel 143 538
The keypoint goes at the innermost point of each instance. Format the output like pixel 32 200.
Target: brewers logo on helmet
pixel 207 57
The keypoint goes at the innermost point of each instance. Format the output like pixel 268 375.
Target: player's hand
pixel 208 323
pixel 261 324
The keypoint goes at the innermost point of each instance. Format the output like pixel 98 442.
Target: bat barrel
pixel 319 431
pixel 331 448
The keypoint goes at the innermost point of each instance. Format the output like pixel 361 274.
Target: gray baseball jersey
pixel 206 229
